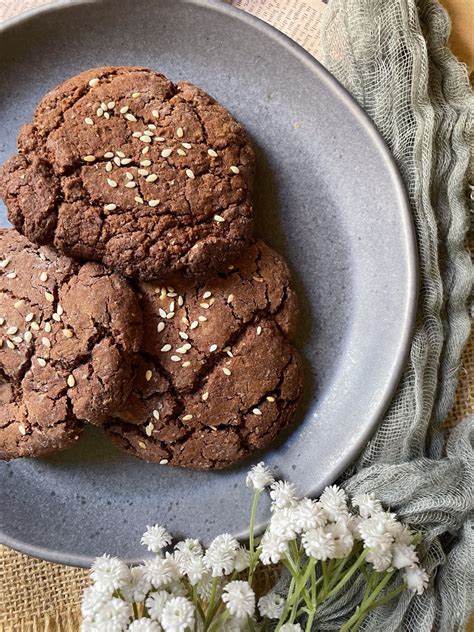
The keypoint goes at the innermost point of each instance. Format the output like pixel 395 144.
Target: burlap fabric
pixel 37 596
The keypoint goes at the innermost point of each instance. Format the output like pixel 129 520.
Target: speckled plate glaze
pixel 328 197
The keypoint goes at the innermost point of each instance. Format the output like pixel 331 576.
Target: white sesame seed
pixel 164 462
pixel 60 310
pixel 124 110
pixel 270 399
pixel 204 305
pixel 71 382
pixel 219 218
pixel 155 113
pixel 67 333
pixel 194 324
pixel 88 121
pixel 29 317
pixel 151 126
pixel 143 172
pixel 180 132
pixel 257 411
pixel 99 112
pixel 165 348
pixel 136 134
pixel 106 115
pixel 108 167
pixel 148 375
pixel 11 331
pixel 186 145
pixel 205 396
pixel 202 319
pixel 18 304
pixel 10 344
pixel 4 263
pixel 181 152
pixel 171 294
pixel 145 163
pixel 17 339
pixel 11 275
pixel 28 336
pixel 171 308
pixel 111 105
pixel 162 312
pixel 182 349
pixel 160 327
pixel 183 335
pixel 160 139
pixel 207 294
pixel 136 95
pixel 156 415
pixel 145 150
pixel 258 279
pixel 213 348
pixel 180 301
pixel 212 153
pixel 89 158
pixel 170 315
pixel 110 207
pixel 47 328
pixel 235 169
pixel 187 417
pixel 34 326
pixel 175 358
pixel 259 330
pixel 138 199
pixel 126 161
pixel 145 139
pixel 151 178
pixel 2 321
pixel 109 154
pixel 117 161
pixel 130 185
pixel 153 202
pixel 226 371
pixel 148 132
pixel 185 364
pixel 142 445
pixel 166 152
pixel 49 297
pixel 130 117
pixel 190 173
pixel 41 362
pixel 185 320
pixel 22 429
pixel 46 342
pixel 94 82
pixel 230 298
pixel 149 429
pixel 112 183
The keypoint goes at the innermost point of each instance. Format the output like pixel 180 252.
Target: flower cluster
pixel 322 543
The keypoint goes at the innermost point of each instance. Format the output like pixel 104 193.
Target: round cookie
pixel 123 167
pixel 217 376
pixel 68 334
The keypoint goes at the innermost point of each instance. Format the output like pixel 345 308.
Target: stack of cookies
pixel 133 293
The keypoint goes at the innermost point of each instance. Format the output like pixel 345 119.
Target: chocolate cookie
pixel 124 167
pixel 218 377
pixel 67 335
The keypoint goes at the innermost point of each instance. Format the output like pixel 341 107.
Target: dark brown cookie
pixel 67 338
pixel 218 377
pixel 124 167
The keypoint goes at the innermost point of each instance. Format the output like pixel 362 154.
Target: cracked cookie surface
pixel 218 377
pixel 68 334
pixel 124 167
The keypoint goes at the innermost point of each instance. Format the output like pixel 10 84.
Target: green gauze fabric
pixel 392 56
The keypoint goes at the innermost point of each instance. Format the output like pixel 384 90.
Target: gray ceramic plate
pixel 327 196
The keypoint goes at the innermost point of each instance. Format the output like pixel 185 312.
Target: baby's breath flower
pixel 273 547
pixel 319 543
pixel 283 523
pixel 290 627
pixel 367 504
pixel 334 502
pixel 160 571
pixel 137 586
pixel 374 533
pixel 156 538
pixel 189 547
pixel 242 559
pixel 343 539
pixel 144 625
pixel 113 616
pixel 308 514
pixel 404 555
pixel 259 477
pixel 193 567
pixel 380 559
pixel 271 605
pixel 416 579
pixel 239 599
pixel 404 535
pixel 109 573
pixel 283 495
pixel 220 556
pixel 92 601
pixel 204 587
pixel 156 602
pixel 177 615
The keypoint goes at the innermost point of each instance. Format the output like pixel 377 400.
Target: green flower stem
pixel 253 557
pixel 210 605
pixel 219 621
pixel 353 569
pixel 135 610
pixel 366 605
pixel 389 596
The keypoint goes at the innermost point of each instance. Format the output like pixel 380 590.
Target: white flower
pixel 137 586
pixel 381 559
pixel 113 616
pixel 308 514
pixel 352 523
pixel 194 569
pixel 343 538
pixel 204 587
pixel 291 627
pixel 283 523
pixel 144 625
pixel 92 601
pixel 334 502
pixel 367 504
pixel 319 544
pixel 177 615
pixel 109 573
pixel 271 605
pixel 404 555
pixel 234 624
pixel 220 556
pixel 242 559
pixel 375 533
pixel 283 494
pixel 259 477
pixel 156 602
pixel 155 538
pixel 188 547
pixel 239 599
pixel 416 579
pixel 273 547
pixel 160 571
pixel 404 535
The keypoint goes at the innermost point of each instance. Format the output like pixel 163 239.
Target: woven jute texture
pixel 36 596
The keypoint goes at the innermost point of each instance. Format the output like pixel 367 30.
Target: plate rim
pixel 407 222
